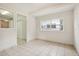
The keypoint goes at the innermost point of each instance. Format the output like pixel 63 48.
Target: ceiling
pixel 54 9
pixel 37 8
pixel 25 7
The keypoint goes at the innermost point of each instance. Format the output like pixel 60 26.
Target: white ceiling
pixel 25 7
pixel 36 8
pixel 54 9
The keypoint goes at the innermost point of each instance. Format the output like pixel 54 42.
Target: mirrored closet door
pixel 21 29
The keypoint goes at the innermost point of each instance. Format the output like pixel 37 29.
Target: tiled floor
pixel 40 48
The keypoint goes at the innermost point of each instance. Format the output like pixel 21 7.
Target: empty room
pixel 39 29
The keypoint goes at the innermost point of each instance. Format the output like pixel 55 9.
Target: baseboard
pixel 56 42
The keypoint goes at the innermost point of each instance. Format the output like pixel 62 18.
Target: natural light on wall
pixel 51 25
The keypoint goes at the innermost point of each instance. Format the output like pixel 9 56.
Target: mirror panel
pixel 6 19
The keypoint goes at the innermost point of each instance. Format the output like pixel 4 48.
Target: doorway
pixel 21 29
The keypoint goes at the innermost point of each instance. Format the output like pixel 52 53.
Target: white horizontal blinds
pixel 45 25
pixel 61 23
pixel 54 24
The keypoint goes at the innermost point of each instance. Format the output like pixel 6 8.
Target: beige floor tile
pixel 40 48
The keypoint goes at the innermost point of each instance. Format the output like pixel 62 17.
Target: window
pixel 51 25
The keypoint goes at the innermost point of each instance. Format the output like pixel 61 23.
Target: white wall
pixel 7 38
pixel 65 36
pixel 76 27
pixel 31 27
